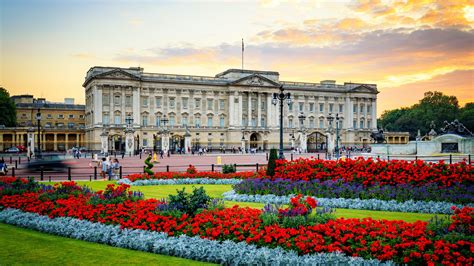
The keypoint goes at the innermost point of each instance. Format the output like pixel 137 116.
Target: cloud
pixel 84 55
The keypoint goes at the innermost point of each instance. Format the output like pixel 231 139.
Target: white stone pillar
pixel 165 142
pixel 358 114
pixel 104 142
pixel 259 110
pixel 31 143
pixel 129 141
pixel 136 106
pixel 331 142
pixel 231 109
pixel 243 146
pixel 240 116
pixel 374 113
pixel 347 113
pixel 97 106
pixel 270 119
pixel 249 112
pixel 187 143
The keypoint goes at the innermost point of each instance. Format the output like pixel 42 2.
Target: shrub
pixel 115 195
pixel 189 203
pixel 228 168
pixel 191 169
pixel 149 165
pixel 272 162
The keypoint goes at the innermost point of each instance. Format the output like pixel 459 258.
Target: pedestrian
pixel 110 170
pixel 103 167
pixel 116 169
pixel 161 154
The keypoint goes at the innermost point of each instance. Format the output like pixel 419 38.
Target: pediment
pixel 364 89
pixel 117 74
pixel 255 80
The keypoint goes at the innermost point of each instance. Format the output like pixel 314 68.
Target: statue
pixel 378 137
pixel 432 132
pixel 457 128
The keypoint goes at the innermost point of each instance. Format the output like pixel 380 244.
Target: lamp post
pixel 129 138
pixel 38 118
pixel 165 136
pixel 337 136
pixel 330 130
pixel 302 131
pixel 281 97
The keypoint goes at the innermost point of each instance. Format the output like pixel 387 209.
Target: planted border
pixel 196 248
pixel 183 181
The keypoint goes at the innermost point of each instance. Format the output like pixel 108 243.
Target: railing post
pixel 120 172
pixel 450 158
pixel 42 172
pixel 90 178
pixel 167 168
pixel 140 155
pixel 49 178
pixel 95 172
pixel 19 159
pixel 212 167
pixel 267 156
pixel 256 166
pixel 318 156
pixel 416 158
pixel 69 173
pixel 13 171
pixel 291 156
pixel 16 164
pixel 469 158
pixel 388 158
pixel 235 167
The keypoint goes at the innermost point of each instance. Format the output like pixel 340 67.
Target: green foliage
pixel 435 106
pixel 272 162
pixel 18 187
pixel 295 221
pixel 149 165
pixel 228 168
pixel 7 109
pixel 189 203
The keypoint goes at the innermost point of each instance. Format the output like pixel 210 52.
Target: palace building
pixel 230 110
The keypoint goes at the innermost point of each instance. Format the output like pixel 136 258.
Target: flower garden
pixel 297 225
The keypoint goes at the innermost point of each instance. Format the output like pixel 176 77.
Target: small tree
pixel 272 162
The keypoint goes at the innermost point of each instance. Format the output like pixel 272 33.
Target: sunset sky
pixel 405 47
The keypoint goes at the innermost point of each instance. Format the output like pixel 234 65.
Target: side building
pixel 232 109
pixel 62 125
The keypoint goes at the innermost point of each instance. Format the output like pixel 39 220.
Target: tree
pixel 272 162
pixel 466 116
pixel 7 109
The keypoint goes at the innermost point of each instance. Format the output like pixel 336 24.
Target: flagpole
pixel 242 53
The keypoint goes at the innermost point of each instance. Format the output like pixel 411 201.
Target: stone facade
pixel 232 109
pixel 62 125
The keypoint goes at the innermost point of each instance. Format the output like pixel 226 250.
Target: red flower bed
pixel 385 240
pixel 370 172
pixel 197 174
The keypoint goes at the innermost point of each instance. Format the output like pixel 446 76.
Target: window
pixel 172 121
pixel 262 122
pixel 355 108
pixel 81 116
pixel 117 100
pixel 209 104
pixel 369 109
pixel 70 125
pixel 361 108
pixel 254 122
pixel 197 103
pixel 185 103
pixel 61 125
pixel 145 101
pixel 321 107
pixel 144 120
pixel 361 123
pixel 47 125
pixel 244 121
pixel 105 99
pixel 369 123
pixel 311 107
pixel 290 123
pixel 60 116
pixel 354 124
pixel 197 121
pixel 158 102
pixel 71 116
pixel 172 103
pixel 128 100
pixel 158 121
pixel 331 107
pixel 311 123
pixel 50 116
pixel 184 121
pixel 263 105
pixel 105 119
pixel 221 121
pixel 301 107
pixel 321 123
pixel 117 119
pixel 209 121
pixel 221 104
pixel 341 108
pixel 290 107
pixel 145 142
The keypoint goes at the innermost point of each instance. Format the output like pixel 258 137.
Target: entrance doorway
pixel 317 142
pixel 177 143
pixel 255 141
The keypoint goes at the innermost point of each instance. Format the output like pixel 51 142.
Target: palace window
pixel 361 108
pixel 244 122
pixel 362 123
pixel 81 116
pixel 221 121
pixel 145 142
pixel 311 107
pixel 172 121
pixel 209 104
pixel 254 122
pixel 301 107
pixel 290 107
pixel 60 116
pixel 354 124
pixel 158 102
pixel 158 121
pixel 70 125
pixel 321 107
pixel 209 121
pixel 369 109
pixel 105 119
pixel 290 123
pixel 71 116
pixel 331 107
pixel 128 100
pixel 197 103
pixel 263 105
pixel 197 121
pixel 117 119
pixel 262 122
pixel 221 104
pixel 355 108
pixel 321 123
pixel 185 103
pixel 105 99
pixel 50 116
pixel 341 108
pixel 311 122
pixel 171 103
pixel 60 125
pixel 184 121
pixel 145 120
pixel 145 101
pixel 117 100
pixel 369 123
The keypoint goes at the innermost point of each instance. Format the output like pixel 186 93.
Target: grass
pixel 23 246
pixel 216 191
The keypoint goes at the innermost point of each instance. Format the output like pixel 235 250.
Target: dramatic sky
pixel 406 47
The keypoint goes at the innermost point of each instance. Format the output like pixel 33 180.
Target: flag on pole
pixel 242 44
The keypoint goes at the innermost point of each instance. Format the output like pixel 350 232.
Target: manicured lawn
pixel 24 246
pixel 216 191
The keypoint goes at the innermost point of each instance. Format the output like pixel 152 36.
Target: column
pixel 1 142
pixel 31 143
pixel 270 118
pixel 55 142
pixel 374 113
pixel 259 110
pixel 66 141
pixel 249 112
pixel 129 141
pixel 240 110
pixel 104 142
pixel 136 106
pixel 231 109
pixel 97 106
pixel 347 113
pixel 365 113
pixel 77 140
